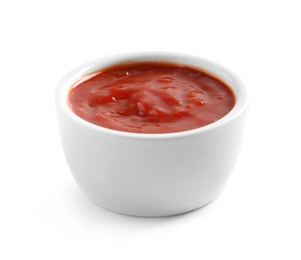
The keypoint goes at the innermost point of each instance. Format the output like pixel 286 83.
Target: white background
pixel 43 213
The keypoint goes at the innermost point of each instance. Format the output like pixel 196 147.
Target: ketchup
pixel 151 97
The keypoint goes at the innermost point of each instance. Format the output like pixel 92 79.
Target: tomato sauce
pixel 151 97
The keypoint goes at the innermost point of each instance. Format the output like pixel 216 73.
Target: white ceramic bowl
pixel 151 174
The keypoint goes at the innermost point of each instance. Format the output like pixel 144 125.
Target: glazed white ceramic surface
pixel 151 174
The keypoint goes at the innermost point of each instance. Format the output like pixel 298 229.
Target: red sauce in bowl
pixel 151 97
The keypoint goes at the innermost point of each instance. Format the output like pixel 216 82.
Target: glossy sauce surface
pixel 151 97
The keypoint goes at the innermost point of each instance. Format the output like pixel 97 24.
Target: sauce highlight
pixel 151 97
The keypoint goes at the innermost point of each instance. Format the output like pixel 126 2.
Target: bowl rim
pixel 210 67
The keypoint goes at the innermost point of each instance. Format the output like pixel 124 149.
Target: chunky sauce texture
pixel 151 97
